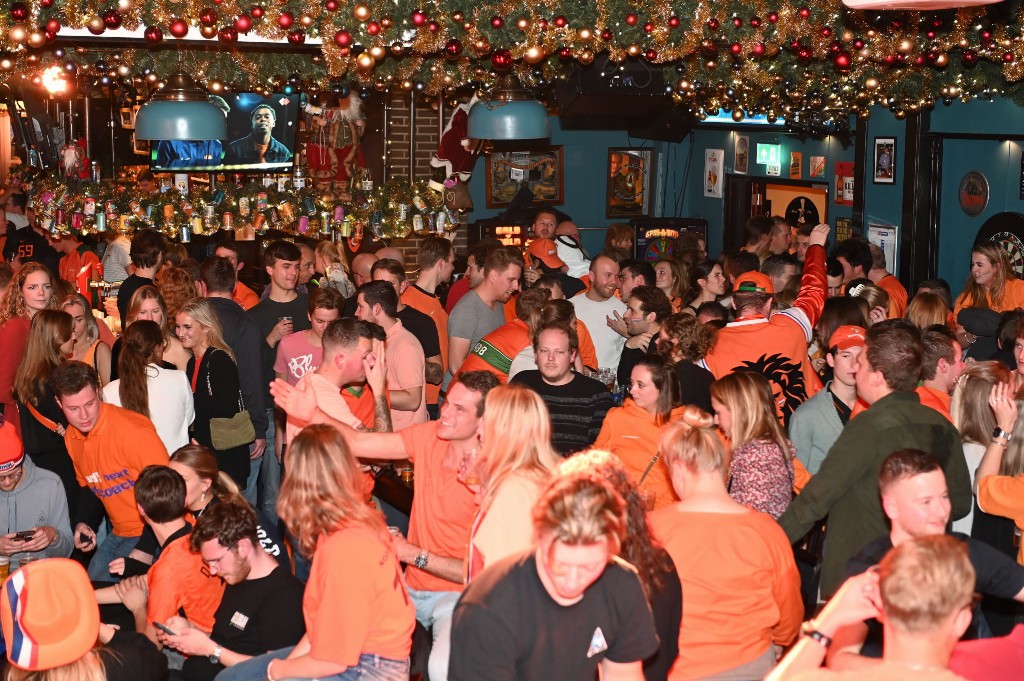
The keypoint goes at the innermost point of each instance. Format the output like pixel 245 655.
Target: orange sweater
pixel 495 351
pixel 741 586
pixel 630 433
pixel 1012 298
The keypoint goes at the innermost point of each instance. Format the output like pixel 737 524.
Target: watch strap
pixel 807 629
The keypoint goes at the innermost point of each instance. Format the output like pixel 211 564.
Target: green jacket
pixel 846 486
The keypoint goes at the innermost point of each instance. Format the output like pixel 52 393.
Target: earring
pixel 202 497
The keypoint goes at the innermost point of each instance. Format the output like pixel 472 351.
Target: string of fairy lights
pixel 760 57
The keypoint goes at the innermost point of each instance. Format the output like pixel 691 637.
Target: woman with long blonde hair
pixel 215 383
pixel 992 282
pixel 50 341
pixel 761 474
pixel 148 303
pixel 332 268
pixel 704 533
pixel 516 460
pixel 30 291
pixel 88 346
pixel 354 572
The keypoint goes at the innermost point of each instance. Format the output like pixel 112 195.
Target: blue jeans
pixel 112 547
pixel 370 668
pixel 434 611
pixel 270 473
pixel 251 491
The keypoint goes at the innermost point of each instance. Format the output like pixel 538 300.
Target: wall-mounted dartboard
pixel 1006 229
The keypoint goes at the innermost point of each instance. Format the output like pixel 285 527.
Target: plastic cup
pixel 647 498
pixel 5 567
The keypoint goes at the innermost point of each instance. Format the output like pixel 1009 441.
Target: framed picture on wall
pixel 630 190
pixel 884 168
pixel 538 168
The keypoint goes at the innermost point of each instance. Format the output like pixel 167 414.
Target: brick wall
pixel 425 136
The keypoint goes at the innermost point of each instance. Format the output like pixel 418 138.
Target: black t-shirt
pixel 506 626
pixel 128 288
pixel 130 656
pixel 266 314
pixel 695 385
pixel 31 246
pixel 577 408
pixel 255 616
pixel 423 327
pixel 996 575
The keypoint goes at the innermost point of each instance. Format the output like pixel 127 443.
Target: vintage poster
pixel 796 161
pixel 713 180
pixel 741 157
pixel 817 166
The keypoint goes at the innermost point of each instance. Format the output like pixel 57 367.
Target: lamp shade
pixel 508 112
pixel 180 111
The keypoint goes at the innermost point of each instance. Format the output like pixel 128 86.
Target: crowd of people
pixel 695 468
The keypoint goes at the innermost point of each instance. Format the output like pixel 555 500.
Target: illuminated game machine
pixel 655 237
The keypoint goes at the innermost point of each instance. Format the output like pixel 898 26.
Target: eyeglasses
pixel 216 561
pixel 13 476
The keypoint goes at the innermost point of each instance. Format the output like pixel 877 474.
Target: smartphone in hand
pixel 164 629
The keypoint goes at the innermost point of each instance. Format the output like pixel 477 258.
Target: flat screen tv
pixel 261 138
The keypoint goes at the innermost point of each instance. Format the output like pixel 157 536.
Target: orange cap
pixel 846 337
pixel 547 251
pixel 754 282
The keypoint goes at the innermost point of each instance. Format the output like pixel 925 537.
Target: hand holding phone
pixel 24 535
pixel 164 629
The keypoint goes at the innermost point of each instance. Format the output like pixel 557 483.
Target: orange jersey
pixel 78 267
pixel 1012 298
pixel 180 579
pixel 588 352
pixel 244 296
pixel 430 305
pixel 495 351
pixel 777 347
pixel 897 296
pixel 109 459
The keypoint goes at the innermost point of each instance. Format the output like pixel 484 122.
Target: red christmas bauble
pixel 256 12
pixel 737 22
pixel 826 32
pixel 373 28
pixel 649 27
pixel 632 19
pixel 843 61
pixel 208 17
pixel 433 26
pixel 736 49
pixel 607 35
pixel 713 24
pixel 565 53
pixel 343 38
pixel 673 21
pixel 773 17
pixel 286 19
pixel 452 49
pixel 297 37
pixel 178 28
pixel 112 19
pixel 651 55
pixel 969 58
pixel 858 44
pixel 50 36
pixel 243 22
pixel 419 17
pixel 501 60
pixel 331 5
pixel 804 12
pixel 153 35
pixel 19 11
pixel 804 53
pixel 1008 57
pixel 755 22
pixel 497 22
pixel 560 21
pixel 45 3
pixel 227 34
pixel 52 26
pixel 757 50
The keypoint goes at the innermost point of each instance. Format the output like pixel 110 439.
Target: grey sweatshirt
pixel 38 499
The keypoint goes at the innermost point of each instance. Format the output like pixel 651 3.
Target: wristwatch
pixel 999 432
pixel 807 629
pixel 215 657
pixel 421 560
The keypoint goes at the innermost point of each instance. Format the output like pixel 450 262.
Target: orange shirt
pixel 442 508
pixel 355 601
pixel 1001 495
pixel 360 403
pixel 244 296
pixel 109 459
pixel 1013 297
pixel 629 433
pixel 741 586
pixel 936 399
pixel 588 353
pixel 510 308
pixel 80 261
pixel 897 296
pixel 495 351
pixel 179 579
pixel 430 305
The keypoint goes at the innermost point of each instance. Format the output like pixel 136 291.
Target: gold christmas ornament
pixel 361 12
pixel 534 55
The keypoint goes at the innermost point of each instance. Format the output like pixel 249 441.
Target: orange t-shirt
pixel 79 261
pixel 741 586
pixel 244 296
pixel 430 305
pixel 1001 495
pixel 109 459
pixel 495 351
pixel 897 296
pixel 360 403
pixel 936 399
pixel 442 508
pixel 179 579
pixel 1013 297
pixel 355 601
pixel 629 433
pixel 588 353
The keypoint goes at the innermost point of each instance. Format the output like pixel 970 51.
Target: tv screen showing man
pixel 259 146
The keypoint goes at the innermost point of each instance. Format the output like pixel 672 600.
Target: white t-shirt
pixel 607 342
pixel 171 407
